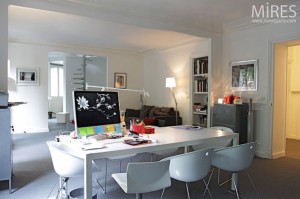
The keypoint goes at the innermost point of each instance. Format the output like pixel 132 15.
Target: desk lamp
pixel 171 83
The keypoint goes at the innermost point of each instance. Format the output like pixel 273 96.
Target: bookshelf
pixel 200 91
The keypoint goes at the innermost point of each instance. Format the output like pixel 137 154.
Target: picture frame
pixel 27 76
pixel 120 80
pixel 243 75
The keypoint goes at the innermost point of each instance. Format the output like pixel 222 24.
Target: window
pixel 56 75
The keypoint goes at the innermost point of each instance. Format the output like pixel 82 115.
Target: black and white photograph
pixel 26 76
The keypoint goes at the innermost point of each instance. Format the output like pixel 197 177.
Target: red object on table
pixel 138 128
pixel 149 130
pixel 142 129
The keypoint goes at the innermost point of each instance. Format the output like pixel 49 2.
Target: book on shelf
pixel 200 66
pixel 201 85
pixel 198 108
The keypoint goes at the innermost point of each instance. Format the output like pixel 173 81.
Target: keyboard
pixel 111 141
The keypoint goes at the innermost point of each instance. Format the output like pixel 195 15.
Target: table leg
pixel 186 149
pixel 87 178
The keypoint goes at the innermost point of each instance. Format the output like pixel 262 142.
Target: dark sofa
pixel 152 115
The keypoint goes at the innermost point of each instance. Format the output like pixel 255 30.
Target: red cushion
pixel 150 121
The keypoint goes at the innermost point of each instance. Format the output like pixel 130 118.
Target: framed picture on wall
pixel 27 76
pixel 243 75
pixel 120 80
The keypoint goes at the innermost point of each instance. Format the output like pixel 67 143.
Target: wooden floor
pixel 292 148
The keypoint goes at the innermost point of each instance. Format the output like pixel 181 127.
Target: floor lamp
pixel 171 83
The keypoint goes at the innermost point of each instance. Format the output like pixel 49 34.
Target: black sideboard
pixel 234 116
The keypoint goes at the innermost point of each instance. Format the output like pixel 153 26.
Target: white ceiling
pixel 133 25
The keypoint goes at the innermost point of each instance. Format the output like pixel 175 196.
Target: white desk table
pixel 168 138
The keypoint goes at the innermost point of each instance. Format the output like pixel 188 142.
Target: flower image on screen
pixel 96 108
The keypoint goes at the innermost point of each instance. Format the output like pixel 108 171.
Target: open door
pixel 279 103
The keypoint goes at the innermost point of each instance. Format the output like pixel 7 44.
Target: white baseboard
pixel 263 154
pixel 278 155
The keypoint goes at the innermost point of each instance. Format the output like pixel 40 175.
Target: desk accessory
pixel 141 128
pixel 137 141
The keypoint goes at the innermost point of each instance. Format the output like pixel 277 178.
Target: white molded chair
pixel 98 163
pixel 192 167
pixel 234 160
pixel 165 153
pixel 144 177
pixel 217 144
pixel 65 164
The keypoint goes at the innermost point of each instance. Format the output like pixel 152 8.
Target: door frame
pixel 271 45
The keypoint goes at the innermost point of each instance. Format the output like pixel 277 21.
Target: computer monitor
pixel 96 112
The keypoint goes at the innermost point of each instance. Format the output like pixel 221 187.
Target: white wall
pixel 96 75
pixel 253 42
pixel 172 62
pixel 3 43
pixel 32 117
pixel 132 65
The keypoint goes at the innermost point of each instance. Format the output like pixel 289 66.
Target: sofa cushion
pixel 160 111
pixel 150 121
pixel 166 109
pixel 145 110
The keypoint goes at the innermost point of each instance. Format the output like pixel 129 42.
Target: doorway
pixel 286 94
pixel 293 93
pixel 68 72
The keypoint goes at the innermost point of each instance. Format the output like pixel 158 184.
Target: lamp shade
pixel 170 82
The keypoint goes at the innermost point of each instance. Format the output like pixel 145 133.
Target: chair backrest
pixel 146 177
pixel 192 166
pixel 64 163
pixel 236 158
pixel 216 144
pixel 223 128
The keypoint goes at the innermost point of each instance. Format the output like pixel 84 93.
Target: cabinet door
pixel 232 116
pixel 5 144
pixel 224 115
